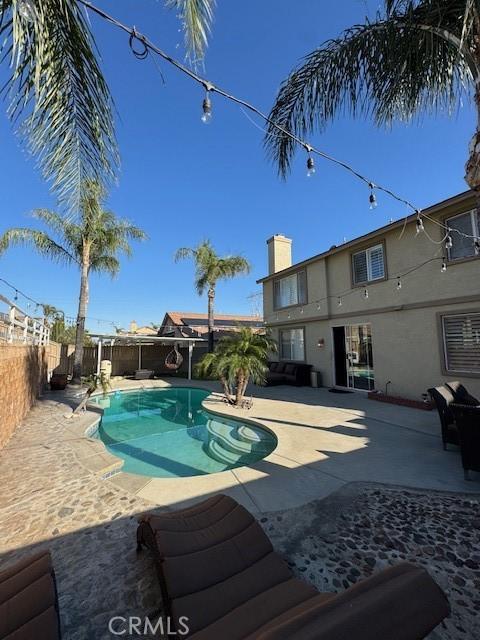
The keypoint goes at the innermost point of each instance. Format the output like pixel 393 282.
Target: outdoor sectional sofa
pixel 293 373
pixel 218 568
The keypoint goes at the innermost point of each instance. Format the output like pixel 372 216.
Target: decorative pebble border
pixel 363 528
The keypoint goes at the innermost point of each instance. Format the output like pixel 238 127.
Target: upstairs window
pixel 290 290
pixel 368 265
pixel 468 223
pixel 461 338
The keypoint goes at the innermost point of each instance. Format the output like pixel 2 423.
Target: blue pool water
pixel 165 433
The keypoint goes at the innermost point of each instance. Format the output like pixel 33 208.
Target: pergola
pixel 135 339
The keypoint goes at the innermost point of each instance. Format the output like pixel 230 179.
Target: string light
pixel 150 46
pixel 372 197
pixel 301 310
pixel 339 302
pixel 419 224
pixel 448 241
pixel 399 284
pixel 15 297
pixel 319 306
pixel 476 244
pixel 444 266
pixel 365 293
pixel 207 107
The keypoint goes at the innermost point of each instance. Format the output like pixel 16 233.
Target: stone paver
pixel 53 495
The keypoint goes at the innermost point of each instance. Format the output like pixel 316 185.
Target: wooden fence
pixel 125 358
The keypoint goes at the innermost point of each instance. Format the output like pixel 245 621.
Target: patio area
pixel 378 486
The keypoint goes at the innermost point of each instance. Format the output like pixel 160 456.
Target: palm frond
pixel 403 65
pixel 183 253
pixel 105 264
pixel 197 19
pixel 57 90
pixel 45 245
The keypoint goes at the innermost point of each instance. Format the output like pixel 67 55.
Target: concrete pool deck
pixel 325 440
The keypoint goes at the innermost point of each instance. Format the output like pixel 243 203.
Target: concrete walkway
pixel 325 440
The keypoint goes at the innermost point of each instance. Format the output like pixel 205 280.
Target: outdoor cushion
pixel 273 366
pixel 281 367
pixel 461 394
pixel 28 600
pixel 290 369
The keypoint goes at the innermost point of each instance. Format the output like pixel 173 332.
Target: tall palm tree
pixel 92 244
pixel 416 57
pixel 57 89
pixel 237 359
pixel 209 269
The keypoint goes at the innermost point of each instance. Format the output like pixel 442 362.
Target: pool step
pixel 227 443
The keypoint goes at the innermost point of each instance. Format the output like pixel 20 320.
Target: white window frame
pixel 368 253
pixel 280 341
pixel 446 364
pixel 475 231
pixel 297 274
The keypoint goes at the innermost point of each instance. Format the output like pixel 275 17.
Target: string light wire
pixel 146 45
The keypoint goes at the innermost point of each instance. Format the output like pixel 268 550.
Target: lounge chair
pixel 442 397
pixel 218 568
pixel 28 600
pixel 467 419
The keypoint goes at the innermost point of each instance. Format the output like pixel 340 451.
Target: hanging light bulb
pixel 289 316
pixel 399 284
pixel 301 310
pixel 365 293
pixel 310 167
pixel 16 295
pixel 372 197
pixel 476 244
pixel 448 242
pixel 444 266
pixel 207 108
pixel 419 223
pixel 339 301
pixel 318 306
pixel 26 9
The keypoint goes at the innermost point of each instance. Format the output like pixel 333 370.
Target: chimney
pixel 133 327
pixel 279 253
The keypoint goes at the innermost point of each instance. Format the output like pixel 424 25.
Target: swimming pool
pixel 165 433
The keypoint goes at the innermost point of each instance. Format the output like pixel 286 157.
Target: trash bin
pixel 316 378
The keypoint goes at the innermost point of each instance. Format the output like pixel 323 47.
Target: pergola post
pixel 139 355
pixel 99 355
pixel 190 352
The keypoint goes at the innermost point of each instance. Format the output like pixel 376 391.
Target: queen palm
pixel 209 269
pixel 237 359
pixel 57 90
pixel 416 57
pixel 92 244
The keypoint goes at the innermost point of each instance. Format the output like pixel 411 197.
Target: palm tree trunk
pixel 211 318
pixel 240 388
pixel 472 168
pixel 81 315
pixel 226 390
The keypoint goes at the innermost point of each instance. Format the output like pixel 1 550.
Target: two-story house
pixel 396 310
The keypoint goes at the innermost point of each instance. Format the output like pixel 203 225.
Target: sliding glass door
pixel 359 356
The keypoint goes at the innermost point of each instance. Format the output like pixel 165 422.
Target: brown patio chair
pixel 467 418
pixel 218 569
pixel 28 600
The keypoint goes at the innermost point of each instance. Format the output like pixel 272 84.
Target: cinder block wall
pixel 23 374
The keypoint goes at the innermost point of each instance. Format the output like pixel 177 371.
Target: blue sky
pixel 182 181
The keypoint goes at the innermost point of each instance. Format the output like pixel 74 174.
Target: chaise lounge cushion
pixel 217 568
pixel 461 395
pixel 28 600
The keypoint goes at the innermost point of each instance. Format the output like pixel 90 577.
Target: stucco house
pixel 389 311
pixel 195 325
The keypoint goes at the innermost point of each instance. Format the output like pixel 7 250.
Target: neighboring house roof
pixel 466 196
pixel 191 324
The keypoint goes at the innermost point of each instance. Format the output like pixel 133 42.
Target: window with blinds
pixel 461 337
pixel 290 290
pixel 368 265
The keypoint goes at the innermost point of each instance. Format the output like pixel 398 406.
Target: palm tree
pixel 416 57
pixel 57 89
pixel 210 268
pixel 93 244
pixel 237 359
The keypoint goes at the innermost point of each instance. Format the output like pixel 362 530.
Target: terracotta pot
pixel 58 381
